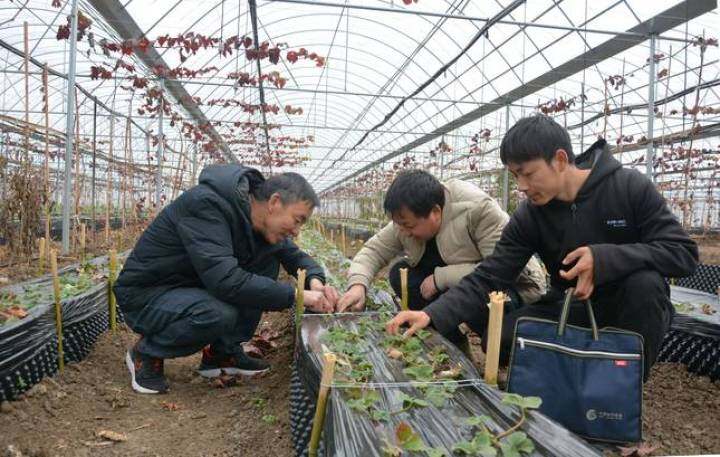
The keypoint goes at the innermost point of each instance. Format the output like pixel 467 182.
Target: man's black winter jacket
pixel 205 239
pixel 618 213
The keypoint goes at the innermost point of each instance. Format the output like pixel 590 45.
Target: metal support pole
pixel 158 176
pixel 582 118
pixel 69 126
pixel 94 166
pixel 650 153
pixel 442 158
pixel 506 172
pixel 194 165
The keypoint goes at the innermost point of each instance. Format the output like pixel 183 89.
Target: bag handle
pixel 566 312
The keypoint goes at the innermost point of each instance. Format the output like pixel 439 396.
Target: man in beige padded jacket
pixel 443 230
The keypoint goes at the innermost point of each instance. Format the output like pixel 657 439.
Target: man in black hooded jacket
pixel 597 226
pixel 206 268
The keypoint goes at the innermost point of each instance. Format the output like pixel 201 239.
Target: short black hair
pixel 535 137
pixel 292 188
pixel 416 190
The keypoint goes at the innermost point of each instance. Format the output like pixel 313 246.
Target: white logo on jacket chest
pixel 616 223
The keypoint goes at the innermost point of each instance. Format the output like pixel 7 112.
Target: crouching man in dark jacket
pixel 206 268
pixel 597 226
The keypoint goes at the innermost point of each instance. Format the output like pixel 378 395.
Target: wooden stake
pixel 299 298
pixel 343 240
pixel 319 420
pixel 82 242
pixel 41 256
pixel 58 308
pixel 112 303
pixel 404 289
pixel 492 357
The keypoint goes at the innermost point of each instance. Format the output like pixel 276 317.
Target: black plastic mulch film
pixel 350 433
pixel 706 278
pixel 28 347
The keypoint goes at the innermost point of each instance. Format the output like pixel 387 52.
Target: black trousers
pixel 639 303
pixel 182 321
pixel 416 301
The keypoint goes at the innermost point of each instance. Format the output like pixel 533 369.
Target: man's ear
pixel 274 202
pixel 561 159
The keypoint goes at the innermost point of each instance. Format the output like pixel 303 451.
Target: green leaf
pixel 379 415
pixel 422 372
pixel 522 402
pixel 269 419
pixel 477 421
pixel 436 452
pixel 516 444
pixel 412 402
pixel 438 395
pixel 423 334
pixel 481 444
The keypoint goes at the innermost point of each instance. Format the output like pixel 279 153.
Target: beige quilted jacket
pixel 471 225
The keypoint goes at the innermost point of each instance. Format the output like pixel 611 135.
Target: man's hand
pixel 583 271
pixel 415 319
pixel 315 301
pixel 353 300
pixel 428 289
pixel 331 294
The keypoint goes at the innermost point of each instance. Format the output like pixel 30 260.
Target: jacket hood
pixel 233 182
pixel 600 161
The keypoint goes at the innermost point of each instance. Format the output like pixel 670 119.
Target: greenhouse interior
pixel 368 222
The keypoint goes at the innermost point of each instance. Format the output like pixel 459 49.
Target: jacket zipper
pixel 577 352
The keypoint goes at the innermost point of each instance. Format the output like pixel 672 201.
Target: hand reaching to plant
pixel 353 300
pixel 331 294
pixel 415 319
pixel 316 301
pixel 428 289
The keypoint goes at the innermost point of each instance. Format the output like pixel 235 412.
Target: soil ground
pixel 62 416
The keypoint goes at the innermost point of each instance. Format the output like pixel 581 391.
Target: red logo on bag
pixel 621 363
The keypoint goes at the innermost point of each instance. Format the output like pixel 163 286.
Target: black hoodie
pixel 618 213
pixel 205 239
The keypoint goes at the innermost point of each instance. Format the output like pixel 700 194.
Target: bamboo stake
pixel 299 298
pixel 112 303
pixel 42 255
pixel 58 309
pixel 492 358
pixel 343 240
pixel 82 242
pixel 318 421
pixel 404 289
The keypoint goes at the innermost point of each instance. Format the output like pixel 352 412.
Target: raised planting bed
pixel 28 336
pixel 416 396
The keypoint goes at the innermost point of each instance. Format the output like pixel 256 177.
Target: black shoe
pixel 214 364
pixel 147 373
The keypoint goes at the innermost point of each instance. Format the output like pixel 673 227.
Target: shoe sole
pixel 216 372
pixel 137 387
